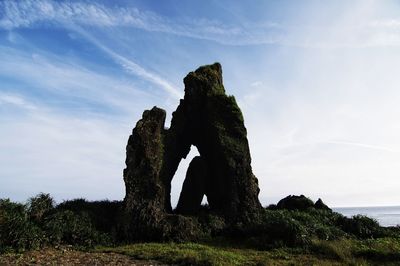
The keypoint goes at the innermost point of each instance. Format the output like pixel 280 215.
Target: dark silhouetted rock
pixel 271 207
pixel 144 215
pixel 293 202
pixel 319 204
pixel 210 120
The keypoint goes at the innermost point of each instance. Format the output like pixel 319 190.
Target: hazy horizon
pixel 317 83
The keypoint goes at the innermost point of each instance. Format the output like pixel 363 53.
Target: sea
pixel 386 216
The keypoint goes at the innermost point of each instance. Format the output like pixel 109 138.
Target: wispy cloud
pixel 67 79
pixel 50 146
pixel 130 66
pixel 15 100
pixel 361 30
pixel 71 15
pixel 47 150
pixel 78 115
pixel 28 13
pixel 386 23
pixel 363 145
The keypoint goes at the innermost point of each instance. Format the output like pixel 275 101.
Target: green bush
pixel 320 224
pixel 211 226
pixel 272 229
pixel 298 228
pixel 282 228
pixel 380 250
pixel 39 223
pixel 39 206
pixel 66 227
pixel 362 227
pixel 103 214
pixel 16 230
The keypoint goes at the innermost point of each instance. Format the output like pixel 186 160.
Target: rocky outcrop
pixel 210 120
pixel 293 202
pixel 302 203
pixel 319 204
pixel 144 216
pixel 144 194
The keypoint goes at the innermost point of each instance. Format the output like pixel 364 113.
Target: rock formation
pixel 210 120
pixel 293 202
pixel 319 204
pixel 302 203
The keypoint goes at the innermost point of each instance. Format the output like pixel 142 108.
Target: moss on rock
pixel 210 120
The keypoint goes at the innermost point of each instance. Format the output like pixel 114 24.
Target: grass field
pixel 385 251
pixel 340 252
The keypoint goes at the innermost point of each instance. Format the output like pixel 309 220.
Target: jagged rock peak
pixel 206 79
pixel 210 120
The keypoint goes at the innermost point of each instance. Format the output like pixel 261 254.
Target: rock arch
pixel 210 120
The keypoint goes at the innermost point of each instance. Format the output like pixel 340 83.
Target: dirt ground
pixel 65 256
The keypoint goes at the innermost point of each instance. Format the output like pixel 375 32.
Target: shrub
pixel 273 229
pixel 37 223
pixel 16 230
pixel 103 214
pixel 39 206
pixel 66 227
pixel 382 250
pixel 362 227
pixel 211 225
pixel 320 224
pixel 280 227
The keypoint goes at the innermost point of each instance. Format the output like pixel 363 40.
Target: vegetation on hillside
pixel 40 223
pixel 276 234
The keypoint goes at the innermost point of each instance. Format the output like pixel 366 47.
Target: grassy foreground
pixel 385 251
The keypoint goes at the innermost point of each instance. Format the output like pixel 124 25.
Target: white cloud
pixel 46 151
pixel 131 67
pixel 386 23
pixel 50 147
pixel 256 83
pixel 329 129
pixel 354 27
pixel 30 13
pixel 363 145
pixel 65 78
pixel 70 15
pixel 15 100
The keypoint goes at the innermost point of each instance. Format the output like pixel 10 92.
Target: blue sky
pixel 317 82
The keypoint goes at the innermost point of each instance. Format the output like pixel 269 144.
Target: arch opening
pixel 180 175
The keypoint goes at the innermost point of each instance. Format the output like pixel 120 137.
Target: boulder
pixel 293 202
pixel 319 204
